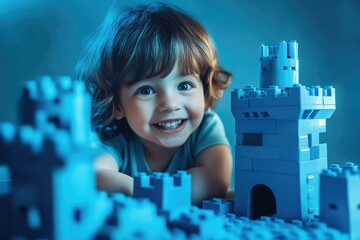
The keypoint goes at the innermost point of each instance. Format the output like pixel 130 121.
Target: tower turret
pixel 279 65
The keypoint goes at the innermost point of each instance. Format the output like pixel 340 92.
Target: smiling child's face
pixel 163 111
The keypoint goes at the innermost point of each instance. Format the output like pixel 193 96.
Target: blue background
pixel 46 37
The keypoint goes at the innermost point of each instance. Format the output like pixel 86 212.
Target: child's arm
pixel 212 173
pixel 109 178
pixel 210 177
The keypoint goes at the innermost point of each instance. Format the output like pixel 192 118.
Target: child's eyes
pixel 144 91
pixel 147 90
pixel 185 86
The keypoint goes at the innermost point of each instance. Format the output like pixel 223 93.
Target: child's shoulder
pixel 210 116
pixel 211 132
pixel 211 126
pixel 119 140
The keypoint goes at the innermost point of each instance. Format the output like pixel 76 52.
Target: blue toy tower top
pixel 278 153
pixel 60 101
pixel 279 65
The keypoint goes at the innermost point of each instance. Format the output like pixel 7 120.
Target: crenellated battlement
pixel 296 102
pixel 162 189
pixel 163 180
pixel 283 49
pixel 279 65
pixel 59 101
pixel 349 170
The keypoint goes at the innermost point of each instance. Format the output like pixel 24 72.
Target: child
pixel 154 77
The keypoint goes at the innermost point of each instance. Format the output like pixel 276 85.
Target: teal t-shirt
pixel 129 152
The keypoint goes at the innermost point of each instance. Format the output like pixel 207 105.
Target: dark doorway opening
pixel 262 202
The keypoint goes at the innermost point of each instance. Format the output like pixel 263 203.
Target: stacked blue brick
pixel 59 101
pixel 165 191
pixel 340 198
pixel 53 193
pixel 278 153
pixel 219 206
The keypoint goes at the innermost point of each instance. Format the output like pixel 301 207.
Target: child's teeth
pixel 169 125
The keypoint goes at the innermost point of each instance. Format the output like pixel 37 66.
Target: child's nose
pixel 168 102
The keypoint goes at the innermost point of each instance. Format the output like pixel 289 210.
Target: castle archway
pixel 262 202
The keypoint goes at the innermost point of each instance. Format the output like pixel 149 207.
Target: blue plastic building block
pixel 61 101
pixel 278 152
pixel 244 163
pixel 289 140
pixel 282 153
pixel 218 205
pixel 301 127
pixel 340 198
pixel 287 167
pixel 167 192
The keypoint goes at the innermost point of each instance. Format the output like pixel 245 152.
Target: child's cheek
pixel 197 106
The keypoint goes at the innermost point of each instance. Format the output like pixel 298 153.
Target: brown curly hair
pixel 135 43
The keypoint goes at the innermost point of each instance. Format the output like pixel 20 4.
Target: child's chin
pixel 172 143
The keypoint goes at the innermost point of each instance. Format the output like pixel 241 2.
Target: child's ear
pixel 119 114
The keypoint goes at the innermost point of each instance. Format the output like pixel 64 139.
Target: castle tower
pixel 53 191
pixel 340 198
pixel 278 153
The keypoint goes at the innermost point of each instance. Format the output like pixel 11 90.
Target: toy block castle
pixel 278 153
pixel 47 175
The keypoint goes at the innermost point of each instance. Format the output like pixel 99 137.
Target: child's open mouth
pixel 171 126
